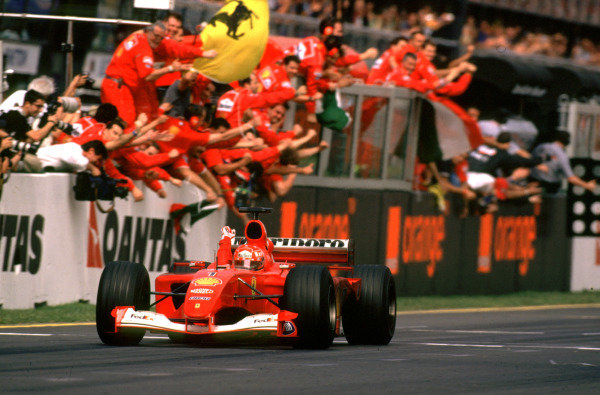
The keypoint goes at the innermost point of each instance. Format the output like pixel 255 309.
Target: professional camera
pixel 20 146
pixel 69 105
pixel 121 192
pixel 89 83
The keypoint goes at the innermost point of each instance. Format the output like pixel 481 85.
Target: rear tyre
pixel 371 319
pixel 121 284
pixel 309 291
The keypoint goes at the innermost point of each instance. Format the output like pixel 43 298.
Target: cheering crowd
pixel 159 121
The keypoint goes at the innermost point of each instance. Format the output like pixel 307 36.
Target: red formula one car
pixel 302 292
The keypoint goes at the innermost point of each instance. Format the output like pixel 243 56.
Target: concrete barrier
pixel 53 248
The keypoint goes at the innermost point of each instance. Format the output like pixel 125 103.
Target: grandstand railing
pixel 377 149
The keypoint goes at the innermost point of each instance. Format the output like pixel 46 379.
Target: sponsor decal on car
pixel 200 298
pixel 141 317
pixel 202 291
pixel 262 320
pixel 212 274
pixel 210 281
pixel 197 306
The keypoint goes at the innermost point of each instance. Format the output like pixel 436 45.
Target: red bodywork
pixel 218 296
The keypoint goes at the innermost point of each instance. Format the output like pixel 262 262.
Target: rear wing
pixel 309 251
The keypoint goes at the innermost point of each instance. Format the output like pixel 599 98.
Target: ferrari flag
pixel 239 33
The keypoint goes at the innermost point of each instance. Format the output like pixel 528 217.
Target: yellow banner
pixel 239 33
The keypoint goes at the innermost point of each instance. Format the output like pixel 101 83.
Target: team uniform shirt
pixel 197 90
pixel 234 103
pixel 125 85
pixel 185 137
pixel 400 77
pixel 86 129
pixel 273 77
pixel 312 53
pixel 425 70
pixel 168 79
pixel 132 61
pixel 381 69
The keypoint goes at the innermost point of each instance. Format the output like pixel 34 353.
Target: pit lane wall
pixel 53 248
pixel 519 248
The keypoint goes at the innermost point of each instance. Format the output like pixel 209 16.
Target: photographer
pixel 26 140
pixel 72 157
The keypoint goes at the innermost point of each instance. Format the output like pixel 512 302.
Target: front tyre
pixel 121 284
pixel 371 318
pixel 309 291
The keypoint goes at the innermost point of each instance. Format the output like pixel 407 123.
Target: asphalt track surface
pixel 553 350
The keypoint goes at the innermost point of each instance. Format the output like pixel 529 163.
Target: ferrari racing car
pixel 302 292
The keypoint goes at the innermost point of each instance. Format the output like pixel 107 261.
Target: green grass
pixel 509 300
pixel 72 312
pixel 84 312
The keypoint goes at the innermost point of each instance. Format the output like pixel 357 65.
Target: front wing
pixel 280 325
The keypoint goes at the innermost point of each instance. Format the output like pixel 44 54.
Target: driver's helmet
pixel 249 257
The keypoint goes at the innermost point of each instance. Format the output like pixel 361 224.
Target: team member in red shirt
pixel 402 75
pixel 386 62
pixel 185 140
pixel 130 74
pixel 275 76
pixel 448 87
pixel 234 103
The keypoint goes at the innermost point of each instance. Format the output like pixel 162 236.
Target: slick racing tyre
pixel 309 291
pixel 121 284
pixel 371 319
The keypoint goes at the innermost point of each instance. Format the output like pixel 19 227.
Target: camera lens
pixel 69 104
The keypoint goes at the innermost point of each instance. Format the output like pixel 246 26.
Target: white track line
pixel 477 331
pixel 541 346
pixel 25 334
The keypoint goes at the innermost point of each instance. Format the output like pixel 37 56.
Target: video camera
pixel 89 188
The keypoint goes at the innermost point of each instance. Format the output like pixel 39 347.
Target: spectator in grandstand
pixel 18 125
pixel 585 52
pixel 557 164
pixel 72 157
pixel 130 75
